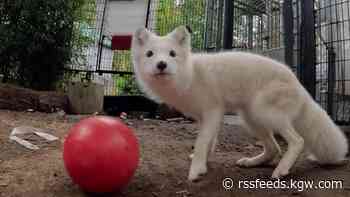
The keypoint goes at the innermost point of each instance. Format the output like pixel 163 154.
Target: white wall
pixel 124 17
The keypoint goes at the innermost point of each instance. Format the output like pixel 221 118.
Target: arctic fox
pixel 264 92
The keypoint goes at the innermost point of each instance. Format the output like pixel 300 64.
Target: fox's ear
pixel 141 36
pixel 181 35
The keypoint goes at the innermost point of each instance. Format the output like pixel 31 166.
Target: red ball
pixel 101 154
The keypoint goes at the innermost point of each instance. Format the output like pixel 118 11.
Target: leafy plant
pixel 126 85
pixel 36 39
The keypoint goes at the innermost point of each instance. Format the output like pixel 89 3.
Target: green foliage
pixel 36 39
pixel 192 13
pixel 125 84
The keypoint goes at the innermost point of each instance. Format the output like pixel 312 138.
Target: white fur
pixel 265 92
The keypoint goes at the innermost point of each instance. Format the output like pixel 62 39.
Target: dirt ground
pixel 163 168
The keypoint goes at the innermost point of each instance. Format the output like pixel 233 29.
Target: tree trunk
pixel 21 99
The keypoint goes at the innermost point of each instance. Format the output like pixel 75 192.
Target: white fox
pixel 264 92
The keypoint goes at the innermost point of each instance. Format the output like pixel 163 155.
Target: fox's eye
pixel 172 53
pixel 149 53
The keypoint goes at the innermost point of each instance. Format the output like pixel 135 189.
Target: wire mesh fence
pixel 86 35
pixel 165 15
pixel 333 57
pixel 257 26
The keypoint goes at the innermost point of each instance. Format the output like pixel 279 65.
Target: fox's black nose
pixel 161 65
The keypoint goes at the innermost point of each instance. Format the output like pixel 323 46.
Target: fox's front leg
pixel 212 148
pixel 210 126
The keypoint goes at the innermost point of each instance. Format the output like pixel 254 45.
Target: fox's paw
pixel 196 172
pixel 280 172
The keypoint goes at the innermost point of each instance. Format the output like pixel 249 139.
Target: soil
pixel 164 163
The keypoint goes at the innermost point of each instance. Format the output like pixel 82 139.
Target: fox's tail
pixel 322 137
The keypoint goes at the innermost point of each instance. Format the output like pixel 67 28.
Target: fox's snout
pixel 161 66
